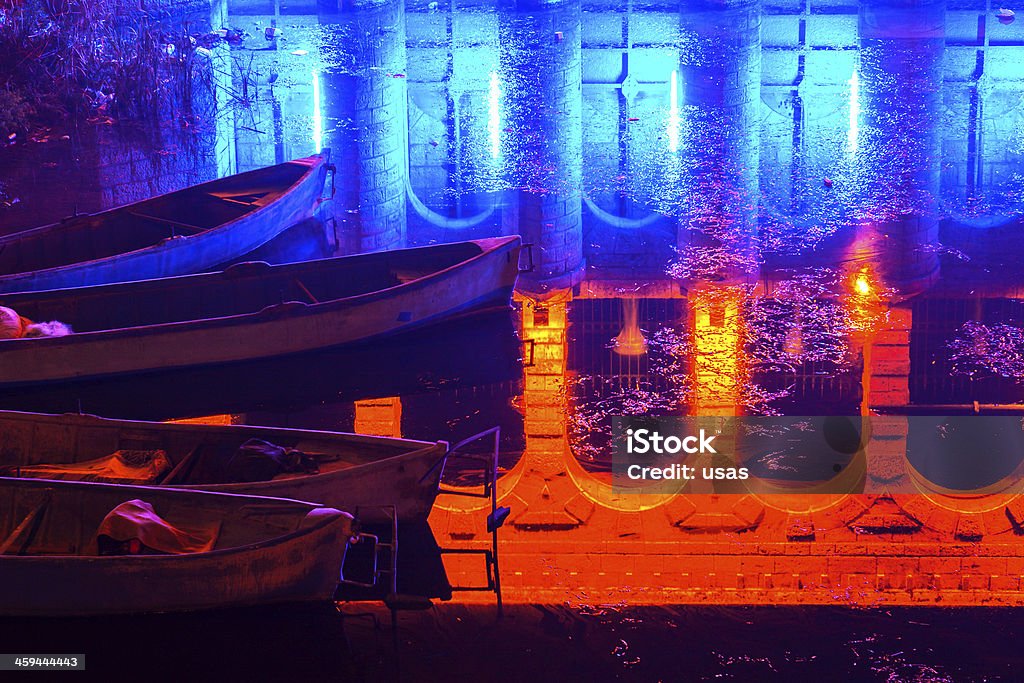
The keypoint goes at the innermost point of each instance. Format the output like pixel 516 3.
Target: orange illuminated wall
pixel 379 417
pixel 572 538
pixel 719 369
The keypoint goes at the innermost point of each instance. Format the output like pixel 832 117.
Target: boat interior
pixel 241 289
pixel 42 440
pixel 40 517
pixel 145 224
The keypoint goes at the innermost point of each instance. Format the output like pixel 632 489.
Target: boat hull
pixel 372 369
pixel 280 330
pixel 184 254
pixel 300 566
pixel 408 482
pixel 77 586
pixel 402 473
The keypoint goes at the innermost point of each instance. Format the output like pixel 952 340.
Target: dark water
pixel 548 643
pixel 735 208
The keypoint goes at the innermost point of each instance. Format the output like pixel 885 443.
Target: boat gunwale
pixel 227 487
pixel 188 240
pixel 87 418
pixel 301 309
pixel 213 554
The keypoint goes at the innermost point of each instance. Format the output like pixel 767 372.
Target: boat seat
pixel 251 201
pixel 404 276
pixel 187 227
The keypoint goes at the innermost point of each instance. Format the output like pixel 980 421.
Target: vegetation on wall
pixel 93 60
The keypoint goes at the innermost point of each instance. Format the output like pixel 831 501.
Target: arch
pixel 621 221
pixel 446 222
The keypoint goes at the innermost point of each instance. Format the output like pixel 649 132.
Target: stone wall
pixel 366 94
pixel 571 538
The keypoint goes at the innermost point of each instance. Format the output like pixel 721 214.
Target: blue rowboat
pixel 187 231
pixel 252 311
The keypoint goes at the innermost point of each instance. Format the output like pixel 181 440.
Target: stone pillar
pixel 542 144
pixel 720 372
pixel 363 97
pixel 886 384
pixel 720 82
pixel 544 497
pixel 899 153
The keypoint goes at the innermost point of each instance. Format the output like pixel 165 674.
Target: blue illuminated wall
pixel 363 93
pixel 898 153
pixel 797 73
pixel 541 140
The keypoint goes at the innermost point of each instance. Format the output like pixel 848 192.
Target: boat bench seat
pixel 179 228
pixel 200 213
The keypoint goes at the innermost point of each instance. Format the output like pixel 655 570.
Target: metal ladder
pixel 384 553
pixel 390 547
pixel 496 518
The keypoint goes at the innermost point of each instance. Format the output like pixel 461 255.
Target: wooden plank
pixel 180 467
pixel 25 523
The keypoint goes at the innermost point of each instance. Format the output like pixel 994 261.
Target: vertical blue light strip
pixel 673 113
pixel 494 115
pixel 318 120
pixel 854 130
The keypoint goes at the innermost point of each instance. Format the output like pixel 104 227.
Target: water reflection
pixel 778 222
pixel 898 156
pixel 541 144
pixel 720 68
pixel 361 94
pixel 732 212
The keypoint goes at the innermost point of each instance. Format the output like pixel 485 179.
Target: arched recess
pixel 966 515
pixel 447 222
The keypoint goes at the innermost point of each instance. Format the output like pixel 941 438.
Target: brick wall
pixel 570 537
pixel 542 152
pixel 366 92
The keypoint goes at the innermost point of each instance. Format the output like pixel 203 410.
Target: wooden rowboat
pixel 183 232
pixel 263 550
pixel 253 311
pixel 356 471
pixel 479 347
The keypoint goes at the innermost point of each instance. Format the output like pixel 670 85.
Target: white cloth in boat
pixel 14 326
pixel 137 520
pixel 120 467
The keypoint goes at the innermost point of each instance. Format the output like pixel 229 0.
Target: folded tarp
pixel 120 467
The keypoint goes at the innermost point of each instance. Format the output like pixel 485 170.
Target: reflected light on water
pixel 318 119
pixel 630 341
pixel 718 363
pixel 862 285
pixel 854 130
pixel 379 417
pixel 494 115
pixel 673 113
